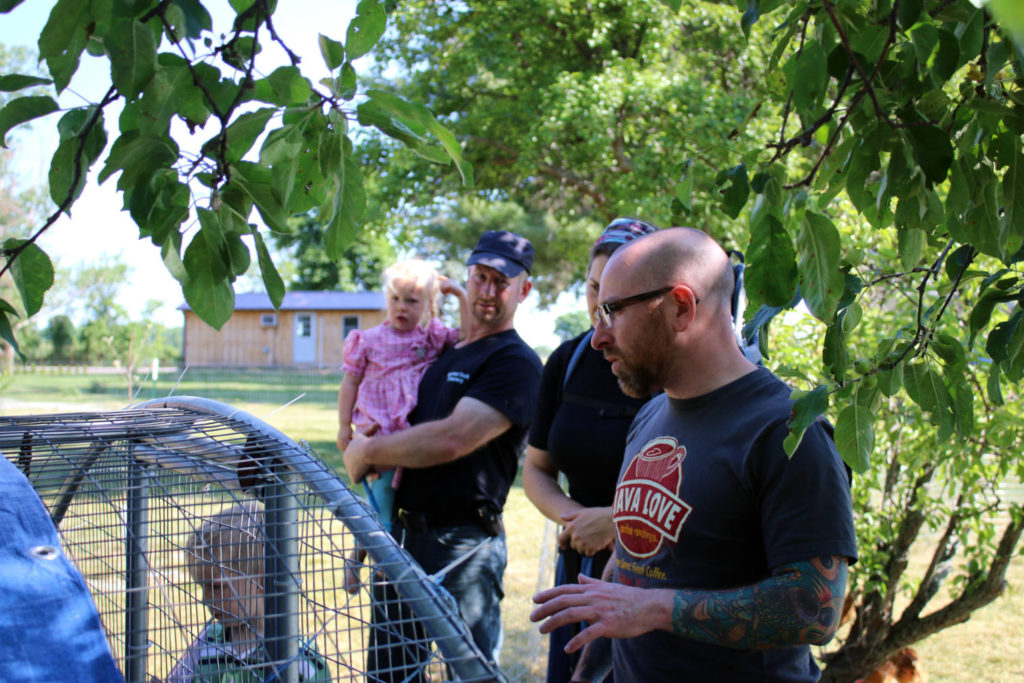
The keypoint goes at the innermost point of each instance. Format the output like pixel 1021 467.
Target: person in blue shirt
pixel 49 627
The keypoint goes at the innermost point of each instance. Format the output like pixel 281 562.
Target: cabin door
pixel 304 347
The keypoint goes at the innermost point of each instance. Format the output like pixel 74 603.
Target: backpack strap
pixel 749 345
pixel 577 354
pixel 603 408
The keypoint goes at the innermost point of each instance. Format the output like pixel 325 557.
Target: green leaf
pixel 972 36
pixel 808 78
pixel 909 11
pixel 863 162
pixel 138 157
pixel 834 355
pixel 7 5
pixel 346 83
pixel 64 38
pixel 14 82
pixel 855 436
pixel 735 195
pixel 1012 186
pixel 946 59
pixel 891 381
pixel 981 314
pixel 365 30
pixel 271 279
pixel 349 205
pixel 242 133
pixel 32 272
pixel 207 288
pixel 332 51
pixel 771 277
pixel 821 281
pixel 7 332
pixel 911 246
pixel 806 410
pixel 684 187
pixel 749 18
pixel 24 109
pixel 1010 14
pixel 256 182
pixel 963 409
pixel 132 51
pixel 241 51
pixel 159 206
pixel 197 19
pixel 454 150
pixel 285 86
pixel 62 165
pixel 171 92
pixel 932 149
pixel 411 123
pixel 1006 339
pixel 995 393
pixel 925 388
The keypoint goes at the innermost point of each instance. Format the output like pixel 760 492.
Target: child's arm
pixel 450 286
pixel 346 404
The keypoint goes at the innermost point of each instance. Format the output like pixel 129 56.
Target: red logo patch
pixel 647 507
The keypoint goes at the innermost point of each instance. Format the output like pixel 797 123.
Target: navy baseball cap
pixel 505 251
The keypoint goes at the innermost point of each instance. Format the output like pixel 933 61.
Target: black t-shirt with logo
pixel 501 371
pixel 707 499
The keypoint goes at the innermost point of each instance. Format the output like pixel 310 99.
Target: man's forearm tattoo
pixel 799 604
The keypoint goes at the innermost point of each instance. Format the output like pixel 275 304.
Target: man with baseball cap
pixel 460 455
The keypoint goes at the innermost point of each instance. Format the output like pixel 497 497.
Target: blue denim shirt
pixel 49 628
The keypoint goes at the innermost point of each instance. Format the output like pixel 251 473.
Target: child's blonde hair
pixel 232 540
pixel 421 274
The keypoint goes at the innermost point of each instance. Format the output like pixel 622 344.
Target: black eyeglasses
pixel 605 311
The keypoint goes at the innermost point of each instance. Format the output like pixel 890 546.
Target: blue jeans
pixel 475 583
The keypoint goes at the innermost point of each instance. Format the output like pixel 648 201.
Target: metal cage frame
pixel 258 461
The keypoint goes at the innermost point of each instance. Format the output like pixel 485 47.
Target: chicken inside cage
pixel 216 549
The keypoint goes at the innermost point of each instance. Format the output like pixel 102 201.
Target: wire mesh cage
pixel 214 546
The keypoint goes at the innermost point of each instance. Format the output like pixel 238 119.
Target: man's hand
pixel 611 610
pixel 588 531
pixel 355 462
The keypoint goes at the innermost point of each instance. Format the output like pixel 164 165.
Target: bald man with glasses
pixel 730 558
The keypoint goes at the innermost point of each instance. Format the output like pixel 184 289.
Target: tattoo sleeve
pixel 799 604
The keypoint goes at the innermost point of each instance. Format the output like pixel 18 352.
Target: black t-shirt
pixel 583 425
pixel 501 371
pixel 707 499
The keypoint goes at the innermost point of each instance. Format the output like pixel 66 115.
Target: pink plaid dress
pixel 391 365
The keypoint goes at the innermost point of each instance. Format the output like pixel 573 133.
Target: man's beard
pixel 638 381
pixel 647 374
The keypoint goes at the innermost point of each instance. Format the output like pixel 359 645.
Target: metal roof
pixel 309 301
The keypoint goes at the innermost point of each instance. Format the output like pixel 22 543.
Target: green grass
pixel 986 648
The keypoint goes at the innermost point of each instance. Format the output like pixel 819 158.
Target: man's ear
pixel 525 288
pixel 683 306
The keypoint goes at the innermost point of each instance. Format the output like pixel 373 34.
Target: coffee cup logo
pixel 647 507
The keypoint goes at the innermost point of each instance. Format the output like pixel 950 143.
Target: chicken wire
pixel 134 495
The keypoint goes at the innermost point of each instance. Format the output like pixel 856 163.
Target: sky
pixel 98 229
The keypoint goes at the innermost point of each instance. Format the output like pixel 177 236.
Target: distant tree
pixel 302 255
pixel 60 330
pixel 569 325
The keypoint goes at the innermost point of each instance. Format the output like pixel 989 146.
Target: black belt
pixel 420 522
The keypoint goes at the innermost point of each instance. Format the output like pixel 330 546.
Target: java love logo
pixel 647 507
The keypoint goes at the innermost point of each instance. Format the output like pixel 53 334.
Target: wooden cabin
pixel 307 331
